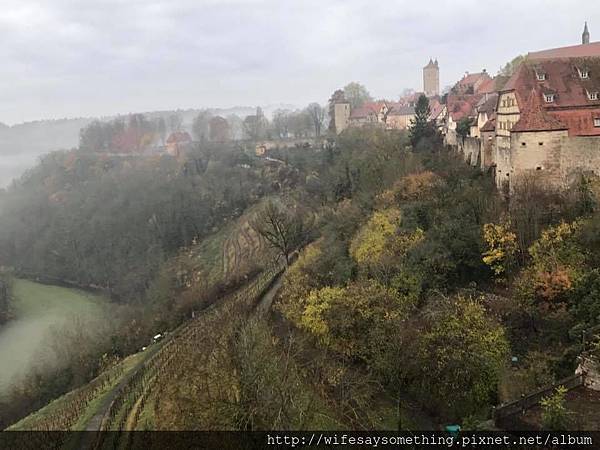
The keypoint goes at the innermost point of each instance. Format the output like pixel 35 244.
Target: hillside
pixel 416 294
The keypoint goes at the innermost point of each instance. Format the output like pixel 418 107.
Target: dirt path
pixel 95 423
pixel 264 305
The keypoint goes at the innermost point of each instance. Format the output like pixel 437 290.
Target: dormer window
pixel 548 98
pixel 592 95
pixel 583 73
pixel 541 76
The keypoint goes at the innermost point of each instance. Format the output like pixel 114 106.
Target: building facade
pixel 546 120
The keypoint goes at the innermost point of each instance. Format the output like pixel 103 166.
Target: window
pixel 523 144
pixel 540 76
pixel 583 73
pixel 592 95
pixel 549 98
pixel 540 143
pixel 597 122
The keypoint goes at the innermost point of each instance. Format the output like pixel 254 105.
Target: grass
pixel 58 404
pixel 127 364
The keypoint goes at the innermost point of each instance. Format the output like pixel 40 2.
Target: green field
pixel 41 310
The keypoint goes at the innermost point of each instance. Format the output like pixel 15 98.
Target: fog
pixel 38 336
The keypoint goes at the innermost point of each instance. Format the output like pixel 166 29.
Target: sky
pixel 79 58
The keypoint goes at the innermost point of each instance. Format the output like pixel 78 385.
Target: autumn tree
pixel 356 94
pixel 358 320
pixel 460 359
pixel 502 248
pixel 379 247
pixel 555 416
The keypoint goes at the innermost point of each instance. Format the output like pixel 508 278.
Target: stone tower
pixel 431 78
pixel 585 37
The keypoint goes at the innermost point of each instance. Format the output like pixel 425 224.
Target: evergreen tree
pixel 421 127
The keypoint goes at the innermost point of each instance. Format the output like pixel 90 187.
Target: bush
pixel 555 416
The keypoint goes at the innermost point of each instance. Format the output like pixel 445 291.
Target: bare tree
pixel 284 230
pixel 317 116
pixel 175 122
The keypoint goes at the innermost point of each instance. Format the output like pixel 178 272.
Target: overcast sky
pixel 64 58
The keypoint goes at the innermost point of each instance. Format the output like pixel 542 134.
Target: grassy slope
pixel 56 405
pixel 206 255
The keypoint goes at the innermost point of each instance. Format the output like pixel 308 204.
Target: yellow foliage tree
pixel 501 247
pixel 358 320
pixel 557 261
pixel 379 246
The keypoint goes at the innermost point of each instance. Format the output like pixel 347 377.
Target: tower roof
pixel 431 64
pixel 585 37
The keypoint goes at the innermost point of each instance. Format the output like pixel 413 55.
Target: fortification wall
pixel 539 153
pixel 471 150
pixel 580 155
pixel 487 150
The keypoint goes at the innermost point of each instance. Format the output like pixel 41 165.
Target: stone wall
pixel 590 368
pixel 580 155
pixel 538 153
pixel 487 150
pixel 471 150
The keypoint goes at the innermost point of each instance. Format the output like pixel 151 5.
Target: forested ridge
pixel 416 282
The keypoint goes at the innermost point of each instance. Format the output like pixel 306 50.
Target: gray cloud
pixel 93 57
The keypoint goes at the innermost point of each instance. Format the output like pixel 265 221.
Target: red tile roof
pixel 399 109
pixel 490 125
pixel 573 51
pixel 571 105
pixel 533 117
pixel 461 106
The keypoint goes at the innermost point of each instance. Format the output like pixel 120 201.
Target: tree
pixel 422 129
pixel 358 320
pixel 501 247
pixel 317 114
pixel 200 126
pixel 300 124
pixel 284 230
pixel 463 127
pixel 555 416
pixel 356 94
pixel 161 128
pixel 281 123
pixel 460 359
pixel 511 67
pixel 175 122
pixel 218 129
